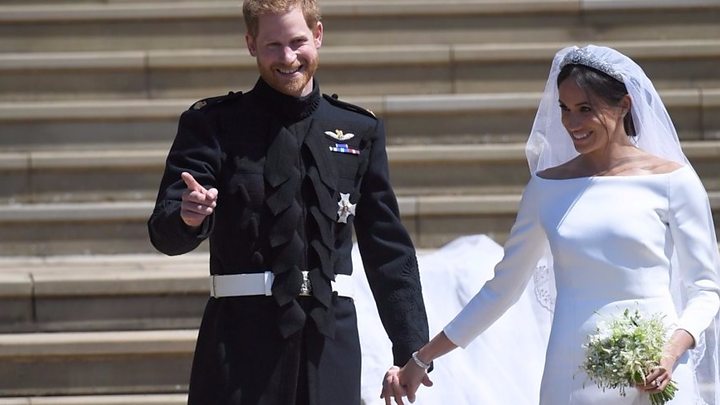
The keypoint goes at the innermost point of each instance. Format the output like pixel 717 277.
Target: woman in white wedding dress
pixel 625 223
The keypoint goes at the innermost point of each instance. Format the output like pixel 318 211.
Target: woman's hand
pixel 659 377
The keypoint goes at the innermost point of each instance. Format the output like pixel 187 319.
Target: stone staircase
pixel 90 93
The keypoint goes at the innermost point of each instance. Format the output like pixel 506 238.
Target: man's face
pixel 286 51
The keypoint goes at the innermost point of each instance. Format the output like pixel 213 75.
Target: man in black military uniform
pixel 277 178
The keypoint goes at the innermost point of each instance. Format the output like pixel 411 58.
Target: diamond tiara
pixel 583 56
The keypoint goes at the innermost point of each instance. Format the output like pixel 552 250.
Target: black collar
pixel 288 108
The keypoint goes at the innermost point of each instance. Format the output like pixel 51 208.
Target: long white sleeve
pixel 523 249
pixel 693 232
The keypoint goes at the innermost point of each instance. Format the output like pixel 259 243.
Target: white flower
pixel 622 351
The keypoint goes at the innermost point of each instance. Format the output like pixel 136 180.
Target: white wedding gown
pixel 611 239
pixel 604 230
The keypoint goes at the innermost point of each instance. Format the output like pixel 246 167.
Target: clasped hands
pixel 403 382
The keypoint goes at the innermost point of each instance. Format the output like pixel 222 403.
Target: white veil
pixel 549 145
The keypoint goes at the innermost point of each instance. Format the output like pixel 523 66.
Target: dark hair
pixel 599 84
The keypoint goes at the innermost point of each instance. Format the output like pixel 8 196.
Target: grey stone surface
pixel 96 375
pixel 138 399
pixel 194 25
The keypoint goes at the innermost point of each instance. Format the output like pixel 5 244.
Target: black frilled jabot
pixel 301 196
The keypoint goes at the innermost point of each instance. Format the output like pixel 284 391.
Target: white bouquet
pixel 623 352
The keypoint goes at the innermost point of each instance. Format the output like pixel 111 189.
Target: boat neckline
pixel 681 168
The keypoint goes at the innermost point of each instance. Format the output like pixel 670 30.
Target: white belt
pixel 237 285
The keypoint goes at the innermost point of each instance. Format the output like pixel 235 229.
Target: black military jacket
pixel 289 171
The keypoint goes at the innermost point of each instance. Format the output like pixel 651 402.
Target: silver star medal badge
pixel 345 208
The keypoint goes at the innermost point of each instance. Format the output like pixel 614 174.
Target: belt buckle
pixel 306 285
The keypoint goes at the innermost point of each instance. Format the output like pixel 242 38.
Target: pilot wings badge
pixel 339 135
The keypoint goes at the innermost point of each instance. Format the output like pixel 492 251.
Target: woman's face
pixel 590 122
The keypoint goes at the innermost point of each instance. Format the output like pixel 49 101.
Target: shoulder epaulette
pixel 352 107
pixel 210 101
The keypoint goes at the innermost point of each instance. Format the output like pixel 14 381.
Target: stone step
pixel 96 363
pixel 409 119
pixel 133 174
pixel 348 70
pixel 120 227
pixel 142 399
pixel 84 293
pixel 75 361
pixel 104 2
pixel 167 25
pixel 102 293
